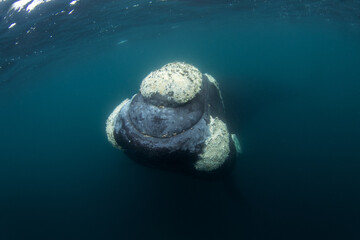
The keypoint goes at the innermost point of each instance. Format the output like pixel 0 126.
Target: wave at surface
pixel 42 28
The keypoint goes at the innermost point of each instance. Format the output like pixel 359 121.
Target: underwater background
pixel 289 72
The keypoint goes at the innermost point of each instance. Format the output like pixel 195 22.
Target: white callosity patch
pixel 110 124
pixel 213 81
pixel 216 149
pixel 178 81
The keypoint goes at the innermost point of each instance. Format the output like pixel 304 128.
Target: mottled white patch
pixel 110 124
pixel 216 149
pixel 179 81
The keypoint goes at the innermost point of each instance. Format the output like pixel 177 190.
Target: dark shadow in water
pixel 245 97
pixel 234 191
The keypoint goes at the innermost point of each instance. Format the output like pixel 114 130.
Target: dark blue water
pixel 290 76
